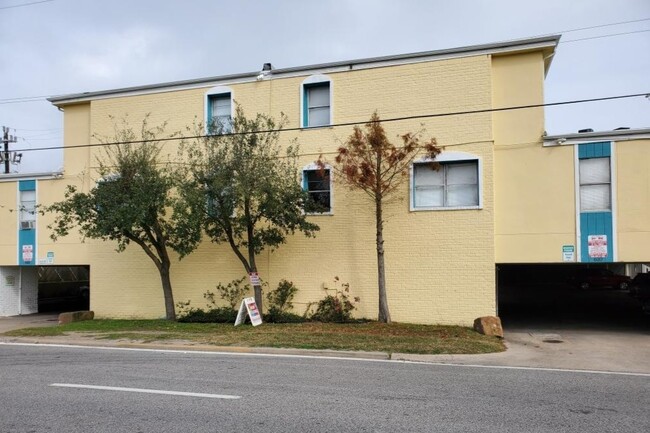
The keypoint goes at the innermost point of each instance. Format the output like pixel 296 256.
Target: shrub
pixel 212 315
pixel 277 316
pixel 232 293
pixel 281 297
pixel 336 307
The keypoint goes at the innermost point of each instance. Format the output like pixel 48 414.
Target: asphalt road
pixel 60 389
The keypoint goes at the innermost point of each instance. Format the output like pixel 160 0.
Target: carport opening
pixel 63 288
pixel 568 296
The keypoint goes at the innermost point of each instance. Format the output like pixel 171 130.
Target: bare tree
pixel 369 162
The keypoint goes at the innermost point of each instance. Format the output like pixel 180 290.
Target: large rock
pixel 489 325
pixel 75 316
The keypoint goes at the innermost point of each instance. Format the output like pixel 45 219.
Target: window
pixel 316 101
pixel 220 114
pixel 318 185
pixel 595 184
pixel 218 110
pixel 27 209
pixel 454 184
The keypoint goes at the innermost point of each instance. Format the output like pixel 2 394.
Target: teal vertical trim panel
pixel 594 224
pixel 27 185
pixel 26 238
pixel 209 114
pixel 595 150
pixel 305 106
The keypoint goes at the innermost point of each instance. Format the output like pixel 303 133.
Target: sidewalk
pixel 598 350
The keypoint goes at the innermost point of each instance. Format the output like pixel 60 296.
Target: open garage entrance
pixel 63 288
pixel 568 297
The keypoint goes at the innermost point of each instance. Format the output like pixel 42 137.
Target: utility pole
pixel 6 139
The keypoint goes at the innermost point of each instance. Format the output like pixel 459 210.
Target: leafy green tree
pixel 132 202
pixel 245 186
pixel 369 162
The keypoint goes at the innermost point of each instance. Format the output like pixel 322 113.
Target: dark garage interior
pixel 568 296
pixel 63 288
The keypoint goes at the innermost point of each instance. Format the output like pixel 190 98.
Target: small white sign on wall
pixel 568 253
pixel 28 253
pixel 597 246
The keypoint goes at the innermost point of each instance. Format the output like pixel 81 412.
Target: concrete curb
pixel 189 347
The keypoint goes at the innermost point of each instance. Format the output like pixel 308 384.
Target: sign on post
pixel 249 306
pixel 254 278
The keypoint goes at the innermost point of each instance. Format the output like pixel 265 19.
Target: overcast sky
pixel 70 46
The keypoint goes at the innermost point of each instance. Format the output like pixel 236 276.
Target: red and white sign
pixel 28 253
pixel 249 306
pixel 597 246
pixel 254 278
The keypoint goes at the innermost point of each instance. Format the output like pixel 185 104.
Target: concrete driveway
pixel 28 321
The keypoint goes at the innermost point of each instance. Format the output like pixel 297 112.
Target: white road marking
pixel 144 391
pixel 340 358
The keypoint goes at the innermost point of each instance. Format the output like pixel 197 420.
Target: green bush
pixel 336 307
pixel 232 293
pixel 275 315
pixel 281 297
pixel 213 315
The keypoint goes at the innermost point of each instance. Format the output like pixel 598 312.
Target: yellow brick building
pixel 504 194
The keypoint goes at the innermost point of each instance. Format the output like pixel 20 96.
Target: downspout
pixel 20 290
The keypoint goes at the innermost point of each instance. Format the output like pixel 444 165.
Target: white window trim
pixel 316 79
pixel 18 214
pixel 314 166
pixel 216 91
pixel 444 157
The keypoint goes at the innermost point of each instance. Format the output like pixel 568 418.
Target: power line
pixel 337 125
pixel 25 4
pixel 23 99
pixel 597 26
pixel 604 36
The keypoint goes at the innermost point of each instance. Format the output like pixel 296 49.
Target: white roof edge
pixel 12 177
pixel 589 137
pixel 493 48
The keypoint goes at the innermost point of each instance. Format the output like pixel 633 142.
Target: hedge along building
pixel 442 239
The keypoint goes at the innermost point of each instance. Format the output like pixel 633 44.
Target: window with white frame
pixel 316 101
pixel 446 184
pixel 318 184
pixel 27 209
pixel 595 184
pixel 218 110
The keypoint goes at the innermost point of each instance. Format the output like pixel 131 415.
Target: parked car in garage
pixel 599 278
pixel 640 289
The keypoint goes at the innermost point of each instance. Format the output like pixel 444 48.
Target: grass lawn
pixel 368 336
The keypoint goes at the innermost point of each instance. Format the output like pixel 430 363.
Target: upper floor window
pixel 316 101
pixel 595 184
pixel 219 110
pixel 453 183
pixel 318 184
pixel 27 209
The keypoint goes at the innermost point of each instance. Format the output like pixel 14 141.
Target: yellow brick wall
pixel 440 264
pixel 633 200
pixel 534 185
pixel 9 223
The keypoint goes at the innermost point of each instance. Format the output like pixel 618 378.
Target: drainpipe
pixel 20 290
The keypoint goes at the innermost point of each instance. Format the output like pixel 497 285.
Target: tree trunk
pixel 170 310
pixel 384 314
pixel 253 268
